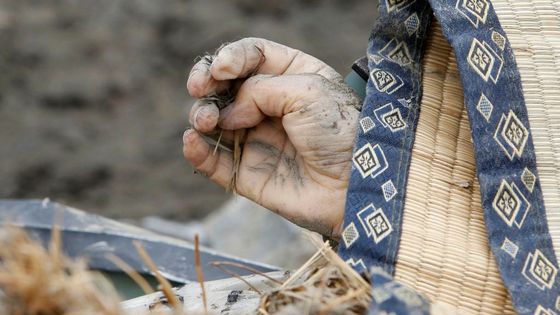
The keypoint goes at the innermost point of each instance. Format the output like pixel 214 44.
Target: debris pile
pixel 324 285
pixel 38 281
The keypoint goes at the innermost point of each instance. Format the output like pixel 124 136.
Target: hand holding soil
pixel 296 120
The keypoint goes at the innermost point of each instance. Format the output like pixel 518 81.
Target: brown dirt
pixel 92 98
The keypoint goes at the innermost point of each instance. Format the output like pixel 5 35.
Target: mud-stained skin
pixel 281 166
pixel 300 119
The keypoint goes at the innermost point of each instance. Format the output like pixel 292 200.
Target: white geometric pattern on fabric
pixel 353 263
pixel 389 190
pixel 385 81
pixel 375 223
pixel 480 59
pixel 515 133
pixel 401 55
pixel 381 294
pixel 510 247
pixel 350 234
pixel 485 107
pixel 397 5
pixel 367 124
pixel 380 225
pixel 540 310
pixel 382 159
pixel 412 24
pixel 540 89
pixel 511 135
pixel 366 161
pixel 485 61
pixel 499 40
pixel 370 161
pixel 363 214
pixel 476 11
pixel 397 52
pixel 510 204
pixel 528 179
pixel 405 102
pixel 375 58
pixel 381 111
pixel 539 270
pixel 394 120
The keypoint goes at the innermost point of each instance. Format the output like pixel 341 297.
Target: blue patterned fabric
pixel 390 297
pixel 505 157
pixel 385 139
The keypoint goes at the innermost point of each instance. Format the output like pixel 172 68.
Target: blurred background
pixel 93 103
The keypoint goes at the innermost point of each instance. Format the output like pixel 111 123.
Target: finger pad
pixel 224 68
pixel 195 149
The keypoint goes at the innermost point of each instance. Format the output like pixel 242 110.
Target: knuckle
pixel 239 44
pixel 252 44
pixel 315 82
pixel 256 80
pixel 252 40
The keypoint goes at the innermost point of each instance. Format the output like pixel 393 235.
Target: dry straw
pixel 325 284
pixel 34 281
pixel 39 281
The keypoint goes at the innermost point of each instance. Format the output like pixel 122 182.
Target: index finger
pixel 200 82
pixel 250 56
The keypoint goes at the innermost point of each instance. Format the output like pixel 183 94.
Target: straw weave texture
pixel 444 251
pixel 533 28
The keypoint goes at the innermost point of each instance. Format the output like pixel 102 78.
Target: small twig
pixel 133 274
pixel 236 275
pixel 221 102
pixel 199 274
pixel 342 299
pixel 165 285
pixel 309 262
pixel 322 284
pixel 237 153
pixel 250 269
pixel 56 237
pixel 218 142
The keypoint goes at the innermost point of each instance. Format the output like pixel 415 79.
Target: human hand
pixel 299 121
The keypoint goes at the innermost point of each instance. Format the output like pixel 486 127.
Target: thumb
pixel 273 96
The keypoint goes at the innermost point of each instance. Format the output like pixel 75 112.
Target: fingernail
pixel 195 119
pixel 201 113
pixel 204 113
pixel 186 134
pixel 224 68
pixel 192 72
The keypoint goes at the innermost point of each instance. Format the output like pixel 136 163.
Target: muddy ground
pixel 92 98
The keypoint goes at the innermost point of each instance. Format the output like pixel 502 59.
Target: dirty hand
pixel 299 121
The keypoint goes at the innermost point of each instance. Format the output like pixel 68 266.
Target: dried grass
pixel 39 281
pixel 324 285
pixel 34 281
